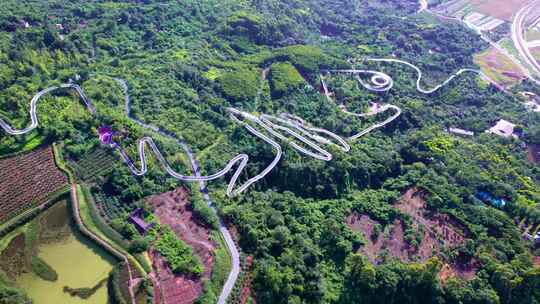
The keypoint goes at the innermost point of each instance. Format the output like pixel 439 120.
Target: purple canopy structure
pixel 105 135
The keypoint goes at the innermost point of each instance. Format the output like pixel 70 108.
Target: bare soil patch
pixel 499 68
pixel 465 271
pixel 533 153
pixel 365 225
pixel 437 231
pixel 247 291
pixel 442 227
pixel 501 9
pixel 173 209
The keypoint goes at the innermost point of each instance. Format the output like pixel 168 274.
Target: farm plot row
pixel 95 163
pixel 28 179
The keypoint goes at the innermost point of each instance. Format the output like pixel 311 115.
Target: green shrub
pixel 178 254
pixel 306 58
pixel 244 24
pixel 113 285
pixel 111 233
pixel 43 270
pixel 11 295
pixel 284 77
pixel 240 85
pixel 201 209
pixel 139 245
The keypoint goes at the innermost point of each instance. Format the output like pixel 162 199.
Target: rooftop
pixel 503 128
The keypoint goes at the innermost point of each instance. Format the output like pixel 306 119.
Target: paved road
pixel 518 32
pixel 231 246
pixel 293 126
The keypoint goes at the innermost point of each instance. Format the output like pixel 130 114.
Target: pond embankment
pixel 76 261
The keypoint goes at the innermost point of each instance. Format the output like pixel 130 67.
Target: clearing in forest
pixel 500 9
pixel 28 179
pixel 499 68
pixel 173 209
pixel 432 233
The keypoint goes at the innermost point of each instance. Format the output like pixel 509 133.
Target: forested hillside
pixel 185 62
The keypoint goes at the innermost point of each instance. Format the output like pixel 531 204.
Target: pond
pixel 78 262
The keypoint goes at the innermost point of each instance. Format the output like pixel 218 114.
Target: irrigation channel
pixel 293 126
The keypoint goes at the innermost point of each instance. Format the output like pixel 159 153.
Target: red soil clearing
pixel 28 179
pixel 536 261
pixel 246 288
pixel 173 209
pixel 364 224
pixel 440 231
pixel 439 226
pixel 463 271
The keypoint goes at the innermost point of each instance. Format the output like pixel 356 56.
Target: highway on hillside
pixel 495 45
pixel 518 31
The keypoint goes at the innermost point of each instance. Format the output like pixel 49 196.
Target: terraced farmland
pixel 27 180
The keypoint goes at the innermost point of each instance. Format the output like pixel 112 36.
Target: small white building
pixel 24 24
pixel 503 128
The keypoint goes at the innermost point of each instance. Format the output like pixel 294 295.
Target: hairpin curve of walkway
pixel 293 126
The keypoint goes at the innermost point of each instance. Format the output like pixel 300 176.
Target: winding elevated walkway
pixel 287 128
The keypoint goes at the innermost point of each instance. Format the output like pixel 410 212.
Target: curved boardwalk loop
pixel 33 107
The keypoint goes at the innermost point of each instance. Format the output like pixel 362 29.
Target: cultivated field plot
pixel 500 9
pixel 484 15
pixel 173 209
pixel 499 68
pixel 94 163
pixel 478 9
pixel 28 179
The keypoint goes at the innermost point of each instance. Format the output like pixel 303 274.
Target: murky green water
pixel 78 262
